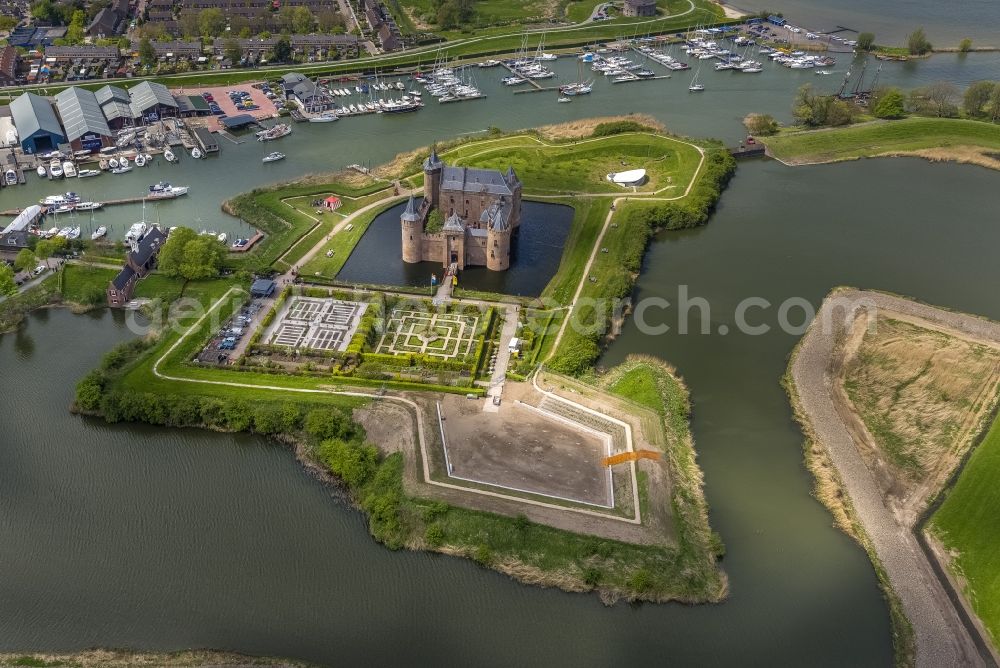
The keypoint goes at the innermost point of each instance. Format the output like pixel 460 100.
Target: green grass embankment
pixel 968 524
pixel 936 138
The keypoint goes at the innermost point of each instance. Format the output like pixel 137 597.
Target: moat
pixel 535 252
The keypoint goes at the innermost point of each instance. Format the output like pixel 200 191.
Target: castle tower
pixel 514 184
pixel 413 233
pixel 433 168
pixel 498 232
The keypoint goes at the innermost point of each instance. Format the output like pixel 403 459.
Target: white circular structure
pixel 633 177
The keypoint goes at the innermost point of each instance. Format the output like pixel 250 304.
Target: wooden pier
pixel 110 202
pixel 638 78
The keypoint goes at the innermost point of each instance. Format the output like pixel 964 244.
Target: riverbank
pixel 940 634
pixel 934 139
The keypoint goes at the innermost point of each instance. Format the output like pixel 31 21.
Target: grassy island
pixel 384 404
pixel 952 139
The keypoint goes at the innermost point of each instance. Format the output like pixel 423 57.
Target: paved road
pixel 942 637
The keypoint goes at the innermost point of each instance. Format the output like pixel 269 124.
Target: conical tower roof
pixel 433 161
pixel 411 215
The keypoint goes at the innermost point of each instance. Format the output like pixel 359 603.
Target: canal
pixel 131 536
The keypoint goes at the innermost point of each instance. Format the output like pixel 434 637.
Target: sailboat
pixel 696 87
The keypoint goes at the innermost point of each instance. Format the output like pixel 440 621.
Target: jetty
pixel 110 202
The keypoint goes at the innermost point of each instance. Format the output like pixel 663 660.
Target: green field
pixel 881 137
pixel 968 523
pixel 85 285
pixel 582 167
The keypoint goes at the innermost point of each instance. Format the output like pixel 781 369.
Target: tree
pixel 190 24
pixel 866 41
pixel 25 260
pixel 286 18
pixel 330 21
pixel 937 99
pixel 211 22
pixel 7 284
pixel 325 424
pixel 75 31
pixel 890 104
pixel 917 42
pixel 761 125
pixel 231 50
pixel 7 22
pixel 303 20
pixel 190 256
pixel 282 50
pixel 977 98
pixel 46 248
pixel 965 45
pixel 147 54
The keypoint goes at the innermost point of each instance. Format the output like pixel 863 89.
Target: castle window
pixel 494 243
pixel 411 237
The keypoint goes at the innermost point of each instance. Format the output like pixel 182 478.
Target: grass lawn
pixel 882 137
pixel 588 218
pixel 342 244
pixel 86 285
pixel 583 166
pixel 968 523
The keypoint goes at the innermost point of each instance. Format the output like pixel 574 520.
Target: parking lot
pixel 237 328
pixel 234 100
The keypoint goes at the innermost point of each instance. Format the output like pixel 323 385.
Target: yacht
pixel 40 170
pixel 169 156
pixel 325 117
pixel 121 168
pixel 87 173
pixel 123 162
pixel 278 131
pixel 74 233
pixel 113 163
pixel 10 177
pixel 164 190
pixel 564 99
pixel 695 87
pixel 99 232
pixel 196 153
pixel 274 156
pixel 88 206
pixel 69 169
pixel 136 232
pixel 140 160
pixel 55 168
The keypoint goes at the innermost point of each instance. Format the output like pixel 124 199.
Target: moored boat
pixel 196 153
pixel 69 169
pixel 10 177
pixel 87 173
pixel 168 155
pixel 88 206
pixel 55 168
pixel 40 170
pixel 99 232
pixel 274 156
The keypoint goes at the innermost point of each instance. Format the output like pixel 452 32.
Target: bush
pixel 328 423
pixel 434 535
pixel 761 125
pixel 619 127
pixel 354 462
pixel 917 42
pixel 890 104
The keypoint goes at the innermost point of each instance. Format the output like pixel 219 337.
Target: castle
pixel 481 209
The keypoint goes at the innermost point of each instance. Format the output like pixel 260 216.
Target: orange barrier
pixel 623 457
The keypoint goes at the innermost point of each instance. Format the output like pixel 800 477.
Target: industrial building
pixel 37 126
pixel 83 120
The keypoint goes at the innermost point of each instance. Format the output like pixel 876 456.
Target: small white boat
pixel 99 232
pixel 64 232
pixel 113 163
pixel 136 232
pixel 273 157
pixel 326 117
pixel 40 170
pixel 82 154
pixel 87 173
pixel 88 206
pixel 61 208
pixel 823 72
pixel 55 168
pixel 148 157
pixel 222 237
pixel 123 161
pixel 69 169
pixel 140 160
pixel 169 156
pixel 563 99
pixel 10 177
pixel 74 233
pixel 121 170
pixel 196 153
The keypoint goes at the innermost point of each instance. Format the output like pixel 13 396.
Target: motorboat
pixel 108 150
pixel 274 156
pixel 164 190
pixel 55 168
pixel 140 160
pixel 169 156
pixel 88 206
pixel 221 237
pixel 61 208
pixel 121 170
pixel 64 232
pixel 87 173
pixel 278 131
pixel 82 153
pixel 69 169
pixel 196 153
pixel 40 170
pixel 113 163
pixel 325 117
pixel 136 232
pixel 564 99
pixel 98 233
pixel 10 177
pixel 489 63
pixel 123 161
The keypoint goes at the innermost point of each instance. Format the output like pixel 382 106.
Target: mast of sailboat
pixel 861 78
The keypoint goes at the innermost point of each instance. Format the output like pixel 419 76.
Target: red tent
pixel 332 202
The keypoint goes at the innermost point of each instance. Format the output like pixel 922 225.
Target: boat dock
pixel 248 245
pixel 515 73
pixel 616 80
pixel 110 202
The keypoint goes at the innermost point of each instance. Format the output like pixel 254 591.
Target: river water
pixel 162 539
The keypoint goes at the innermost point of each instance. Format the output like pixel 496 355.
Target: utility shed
pixel 86 127
pixel 36 123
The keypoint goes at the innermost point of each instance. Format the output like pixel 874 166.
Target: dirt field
pixel 525 450
pixel 922 395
